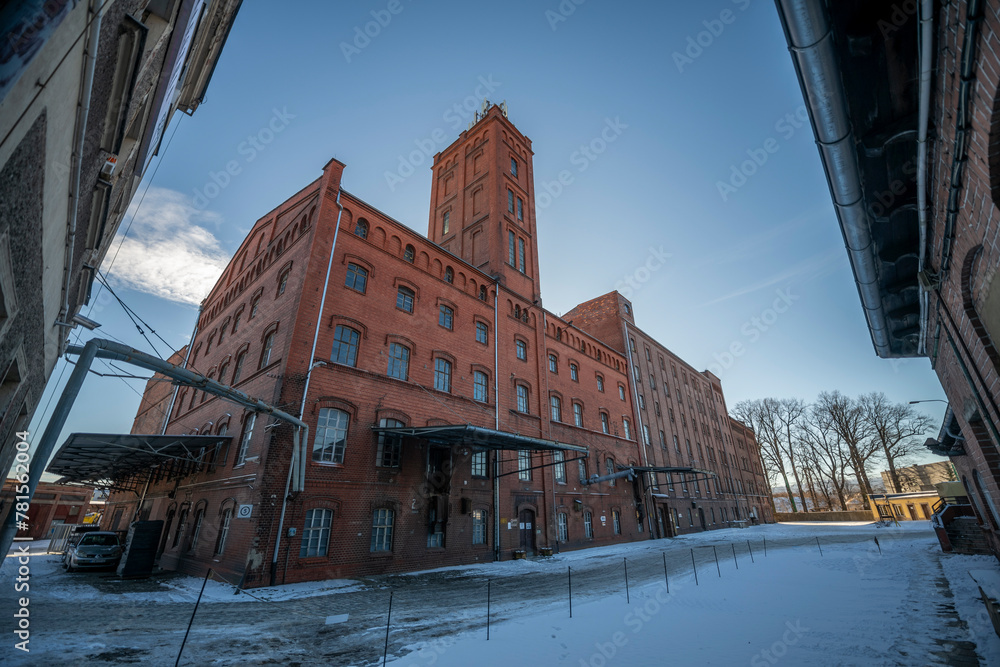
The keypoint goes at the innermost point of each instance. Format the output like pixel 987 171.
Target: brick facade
pixel 334 290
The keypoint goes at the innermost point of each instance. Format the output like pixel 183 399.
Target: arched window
pixel 240 358
pixel 522 398
pixel 404 299
pixel 578 414
pixel 345 346
pixel 610 467
pixel 265 354
pixel 517 312
pixel 224 521
pixel 449 275
pixel 248 426
pixel 556 405
pixel 479 387
pixel 409 253
pixel 482 292
pixel 361 228
pixel 331 436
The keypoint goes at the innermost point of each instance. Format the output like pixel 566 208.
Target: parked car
pixel 95 549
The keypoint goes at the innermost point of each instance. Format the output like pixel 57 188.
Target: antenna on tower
pixel 503 108
pixel 486 105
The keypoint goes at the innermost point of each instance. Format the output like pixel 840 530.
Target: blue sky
pixel 693 91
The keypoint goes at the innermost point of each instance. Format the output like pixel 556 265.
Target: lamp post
pixel 929 400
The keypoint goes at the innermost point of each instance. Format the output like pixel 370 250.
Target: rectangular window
pixel 482 333
pixel 600 383
pixel 522 350
pixel 588 525
pixel 479 463
pixel 605 424
pixel 616 517
pixel 510 248
pixel 254 306
pixel 357 277
pixel 628 428
pixel 520 255
pixel 345 346
pixel 382 522
pixel 513 167
pixel 478 526
pixel 520 209
pixel 331 436
pixel 556 405
pixel 642 402
pixel 446 225
pixel 645 434
pixel 510 201
pixel 446 317
pixel 316 533
pixel 574 373
pixel 390 447
pixel 399 361
pixel 442 375
pixel 524 465
pixel 522 398
pixel 479 387
pixel 559 469
pixel 563 526
pixel 577 414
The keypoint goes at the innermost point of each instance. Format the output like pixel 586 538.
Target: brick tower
pixel 483 201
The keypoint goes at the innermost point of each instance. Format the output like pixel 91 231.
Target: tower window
pixel 510 248
pixel 445 225
pixel 361 229
pixel 520 209
pixel 409 253
pixel 510 201
pixel 513 167
pixel 520 255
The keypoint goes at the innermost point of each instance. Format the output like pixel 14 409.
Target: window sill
pixel 328 464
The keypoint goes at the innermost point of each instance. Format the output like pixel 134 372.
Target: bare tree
pixel 767 418
pixel 847 417
pixel 789 413
pixel 826 451
pixel 895 427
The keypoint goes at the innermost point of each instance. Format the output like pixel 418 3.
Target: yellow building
pixel 916 506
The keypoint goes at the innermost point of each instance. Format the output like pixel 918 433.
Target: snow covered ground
pixel 849 605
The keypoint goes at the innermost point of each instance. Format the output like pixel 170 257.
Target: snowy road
pixel 911 605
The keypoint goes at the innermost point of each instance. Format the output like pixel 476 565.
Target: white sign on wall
pixel 244 512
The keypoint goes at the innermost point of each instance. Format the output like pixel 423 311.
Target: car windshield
pixel 99 541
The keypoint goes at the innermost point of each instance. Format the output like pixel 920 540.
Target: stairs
pixel 966 536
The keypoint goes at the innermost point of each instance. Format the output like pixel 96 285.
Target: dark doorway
pixel 701 518
pixel 659 522
pixel 912 510
pixel 527 525
pixel 926 510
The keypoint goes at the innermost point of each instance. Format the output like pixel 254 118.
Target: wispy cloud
pixel 168 253
pixel 808 269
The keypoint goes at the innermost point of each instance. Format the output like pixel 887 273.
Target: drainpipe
pixel 640 433
pixel 926 55
pixel 79 140
pixel 298 463
pixel 496 397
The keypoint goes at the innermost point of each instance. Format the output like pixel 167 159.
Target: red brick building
pixel 452 418
pixel 52 504
pixel 904 100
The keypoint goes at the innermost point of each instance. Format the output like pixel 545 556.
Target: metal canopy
pixel 476 436
pixel 684 470
pixel 123 461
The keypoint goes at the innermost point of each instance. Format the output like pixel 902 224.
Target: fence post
pixel 569 578
pixel 879 546
pixel 666 577
pixel 734 555
pixel 818 544
pixel 714 551
pixel 488 582
pixel 627 599
pixel 694 566
pixel 765 547
pixel 191 622
pixel 385 651
pixel 751 551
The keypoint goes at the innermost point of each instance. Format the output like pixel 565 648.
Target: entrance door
pixel 912 510
pixel 926 510
pixel 527 525
pixel 701 518
pixel 659 521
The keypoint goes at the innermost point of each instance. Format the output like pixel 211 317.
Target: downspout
pixel 641 439
pixel 298 464
pixel 810 41
pixel 496 397
pixel 79 141
pixel 548 432
pixel 926 38
pixel 177 387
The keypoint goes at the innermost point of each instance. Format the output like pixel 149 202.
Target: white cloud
pixel 167 252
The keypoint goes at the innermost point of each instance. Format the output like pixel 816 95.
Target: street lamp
pixel 929 400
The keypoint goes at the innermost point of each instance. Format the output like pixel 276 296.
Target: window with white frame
pixel 480 392
pixel 248 425
pixel 577 414
pixel 331 436
pixel 479 463
pixel 559 469
pixel 316 533
pixel 524 465
pixel 382 522
pixel 588 525
pixel 479 526
pixel 563 524
pixel 556 405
